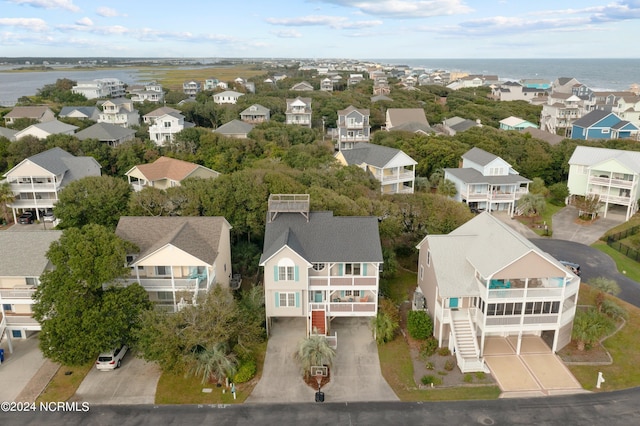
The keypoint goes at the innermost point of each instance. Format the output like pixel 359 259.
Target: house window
pixel 6 307
pixel 318 266
pixel 428 257
pixel 605 131
pixel 354 293
pixel 165 295
pixel 352 268
pixel 421 272
pixel 285 273
pixel 167 124
pixel 287 300
pixel 32 281
pixel 163 270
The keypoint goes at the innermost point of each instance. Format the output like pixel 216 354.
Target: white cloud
pixel 49 4
pixel 339 22
pixel 406 8
pixel 109 12
pixel 33 24
pixel 287 34
pixel 85 22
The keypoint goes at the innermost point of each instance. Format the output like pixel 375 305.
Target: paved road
pixel 593 263
pixel 610 408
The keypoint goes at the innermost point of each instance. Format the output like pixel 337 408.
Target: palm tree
pixel 6 197
pixel 385 327
pixel 589 326
pixel 214 362
pixel 531 204
pixel 314 350
pixel 604 286
pixel 447 188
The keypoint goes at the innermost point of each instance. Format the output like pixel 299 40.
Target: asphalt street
pixel 593 263
pixel 611 408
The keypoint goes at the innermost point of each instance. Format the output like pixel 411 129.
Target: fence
pixel 613 241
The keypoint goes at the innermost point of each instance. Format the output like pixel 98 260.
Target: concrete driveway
pixel 536 371
pixel 19 367
pixel 355 375
pixel 566 228
pixel 133 383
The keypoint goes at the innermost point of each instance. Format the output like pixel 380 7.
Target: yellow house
pixel 166 172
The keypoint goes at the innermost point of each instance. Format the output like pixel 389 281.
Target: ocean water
pixel 598 74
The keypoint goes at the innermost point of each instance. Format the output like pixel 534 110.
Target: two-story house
pixel 149 92
pixel 319 266
pixel 227 97
pixel 165 173
pixel 487 182
pixel 601 124
pixel 119 111
pixel 24 259
pixel 353 127
pixel 191 88
pixel 255 114
pixel 611 174
pixel 485 279
pixel 150 117
pixel 179 258
pixel 394 169
pixel 165 127
pixel 326 85
pixel 37 180
pixel 100 88
pixel 560 111
pixel 299 111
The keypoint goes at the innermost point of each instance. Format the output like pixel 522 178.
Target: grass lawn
pixel 623 346
pixel 63 386
pixel 401 287
pixel 536 224
pixel 625 265
pixel 397 369
pixel 177 389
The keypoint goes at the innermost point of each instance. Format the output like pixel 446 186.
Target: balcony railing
pixel 605 181
pixel 16 293
pixel 336 281
pixel 615 199
pixel 22 321
pixel 396 176
pixel 164 284
pixel 361 138
pixel 34 187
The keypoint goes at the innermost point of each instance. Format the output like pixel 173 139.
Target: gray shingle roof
pixel 196 235
pixel 324 238
pixel 105 132
pixel 591 118
pixel 89 111
pixel 469 175
pixel 234 127
pixel 368 153
pixel 58 161
pixel 479 156
pixel 23 253
pixel 7 133
pixel 258 109
pixel 54 127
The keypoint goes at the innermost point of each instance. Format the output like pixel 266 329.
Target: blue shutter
pixel 297 300
pixel 277 300
pixel 364 269
pixel 340 266
pixel 296 274
pixel 275 273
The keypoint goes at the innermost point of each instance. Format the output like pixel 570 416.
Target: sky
pixel 352 29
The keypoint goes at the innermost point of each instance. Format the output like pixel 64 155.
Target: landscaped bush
pixel 443 351
pixel 468 378
pixel 246 371
pixel 480 375
pixel 448 365
pixel 429 347
pixel 613 310
pixel 429 365
pixel 419 325
pixel 430 379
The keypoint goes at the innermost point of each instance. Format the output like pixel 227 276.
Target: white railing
pixel 16 293
pixel 396 176
pixel 164 283
pixel 336 281
pixel 612 198
pixel 37 187
pixel 618 183
pixel 24 321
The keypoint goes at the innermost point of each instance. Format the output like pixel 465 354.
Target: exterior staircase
pixel 466 344
pixel 319 322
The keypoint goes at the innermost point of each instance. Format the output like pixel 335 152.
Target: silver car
pixel 112 359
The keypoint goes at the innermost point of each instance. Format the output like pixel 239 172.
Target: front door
pixel 317 296
pixel 453 303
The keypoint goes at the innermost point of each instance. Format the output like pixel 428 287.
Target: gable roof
pixel 105 132
pixel 470 175
pixel 256 109
pixel 457 255
pixel 372 154
pixel 324 237
pixel 550 138
pixel 479 156
pixel 161 111
pixel 513 121
pixel 34 112
pixel 590 156
pixel 229 93
pixel 592 118
pixel 32 246
pixel 7 133
pixel 380 98
pixel 87 111
pixel 198 236
pixel 167 168
pixel 351 108
pixel 50 127
pixel 399 116
pixel 235 127
pixel 59 162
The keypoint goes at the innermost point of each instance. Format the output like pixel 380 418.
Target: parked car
pixel 26 218
pixel 48 216
pixel 112 359
pixel 573 267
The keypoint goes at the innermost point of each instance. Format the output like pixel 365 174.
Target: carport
pixel 535 372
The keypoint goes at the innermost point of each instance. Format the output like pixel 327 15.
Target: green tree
pixel 537 187
pixel 79 303
pixel 531 204
pixel 447 188
pixel 604 286
pixel 589 327
pixel 385 327
pixel 588 205
pixel 214 363
pixel 93 199
pixel 419 324
pixel 314 351
pixel 6 197
pixel 150 201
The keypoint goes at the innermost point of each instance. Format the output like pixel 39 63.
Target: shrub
pixel 448 365
pixel 419 325
pixel 613 310
pixel 480 375
pixel 246 371
pixel 442 373
pixel 431 380
pixel 429 347
pixel 388 307
pixel 468 378
pixel 429 365
pixel 443 351
pixel 385 327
